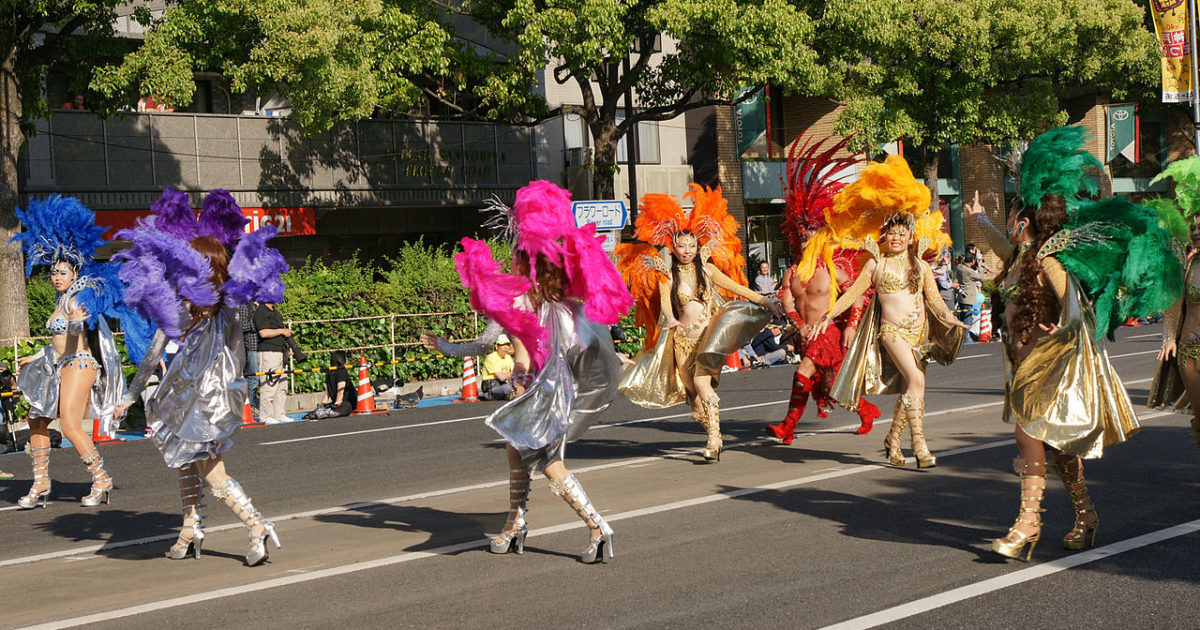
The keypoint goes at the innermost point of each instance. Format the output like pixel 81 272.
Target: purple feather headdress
pixel 161 270
pixel 222 219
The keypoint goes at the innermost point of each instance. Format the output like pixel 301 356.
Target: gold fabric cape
pixel 867 369
pixel 1167 391
pixel 653 380
pixel 1065 393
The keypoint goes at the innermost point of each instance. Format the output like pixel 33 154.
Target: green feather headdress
pixel 1056 163
pixel 1186 174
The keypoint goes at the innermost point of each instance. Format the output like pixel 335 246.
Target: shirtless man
pixel 805 303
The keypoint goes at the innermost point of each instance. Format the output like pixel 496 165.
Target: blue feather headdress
pixel 161 269
pixel 58 229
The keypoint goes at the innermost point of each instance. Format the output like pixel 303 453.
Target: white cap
pixel 502 339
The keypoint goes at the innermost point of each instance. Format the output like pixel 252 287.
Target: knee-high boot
pixel 601 536
pixel 786 430
pixel 891 442
pixel 1070 470
pixel 230 492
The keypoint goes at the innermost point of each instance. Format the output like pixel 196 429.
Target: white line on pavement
pixel 1132 354
pixel 1157 334
pixel 951 596
pixel 288 580
pixel 973 356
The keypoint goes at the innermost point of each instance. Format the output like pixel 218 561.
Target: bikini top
pixel 687 292
pixel 890 281
pixel 57 325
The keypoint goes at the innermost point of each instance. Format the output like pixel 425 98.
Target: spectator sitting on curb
pixel 495 375
pixel 767 347
pixel 341 396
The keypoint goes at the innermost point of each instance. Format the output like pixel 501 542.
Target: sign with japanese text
pixel 607 215
pixel 1171 26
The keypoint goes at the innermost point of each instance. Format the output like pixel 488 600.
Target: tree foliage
pixel 935 72
pixel 721 45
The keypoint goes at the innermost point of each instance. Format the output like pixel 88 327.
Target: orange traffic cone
pixel 366 393
pixel 470 386
pixel 732 360
pixel 98 436
pixel 248 417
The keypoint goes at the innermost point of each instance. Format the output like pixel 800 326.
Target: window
pixel 647 141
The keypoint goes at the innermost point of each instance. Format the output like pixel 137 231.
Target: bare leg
pixel 913 398
pixel 1189 373
pixel 74 392
pixel 565 485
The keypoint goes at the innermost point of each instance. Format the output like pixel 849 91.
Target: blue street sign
pixel 607 215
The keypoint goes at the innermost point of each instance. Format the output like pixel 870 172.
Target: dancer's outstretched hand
pixel 1051 329
pixel 431 341
pixel 119 411
pixel 1168 351
pixel 976 208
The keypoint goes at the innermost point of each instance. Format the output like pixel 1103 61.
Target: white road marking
pixel 1132 354
pixel 1157 334
pixel 972 356
pixel 319 574
pixel 926 604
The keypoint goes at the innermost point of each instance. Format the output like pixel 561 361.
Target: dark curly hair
pixel 1036 304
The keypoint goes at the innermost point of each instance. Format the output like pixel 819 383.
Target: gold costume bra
pixel 891 282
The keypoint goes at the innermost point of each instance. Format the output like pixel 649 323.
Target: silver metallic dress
pixel 576 384
pixel 199 401
pixel 39 379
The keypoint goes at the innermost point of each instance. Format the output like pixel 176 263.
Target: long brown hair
pixel 1036 304
pixel 550 278
pixel 218 259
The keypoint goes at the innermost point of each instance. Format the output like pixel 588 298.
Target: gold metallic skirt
pixel 653 380
pixel 1065 393
pixel 867 368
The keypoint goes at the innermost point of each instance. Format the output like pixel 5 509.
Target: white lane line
pixel 1132 354
pixel 459 547
pixel 1157 334
pixel 952 596
pixel 454 420
pixel 972 356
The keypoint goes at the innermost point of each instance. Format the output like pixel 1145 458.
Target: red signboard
pixel 289 221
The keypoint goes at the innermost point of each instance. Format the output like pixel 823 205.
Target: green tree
pixel 935 72
pixel 35 35
pixel 722 45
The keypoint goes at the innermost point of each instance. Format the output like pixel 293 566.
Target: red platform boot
pixel 786 430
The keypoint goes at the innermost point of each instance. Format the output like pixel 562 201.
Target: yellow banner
pixel 1171 24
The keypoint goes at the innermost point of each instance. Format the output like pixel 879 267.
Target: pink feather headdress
pixel 544 225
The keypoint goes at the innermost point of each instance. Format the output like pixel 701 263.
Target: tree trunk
pixel 930 173
pixel 604 162
pixel 14 312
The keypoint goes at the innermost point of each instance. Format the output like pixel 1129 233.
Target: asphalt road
pixel 383 521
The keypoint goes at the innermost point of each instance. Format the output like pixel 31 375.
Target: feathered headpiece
pixel 544 226
pixel 63 229
pixel 660 219
pixel 1186 174
pixel 58 229
pixel 161 269
pixel 1121 252
pixel 810 185
pixel 885 191
pixel 1056 163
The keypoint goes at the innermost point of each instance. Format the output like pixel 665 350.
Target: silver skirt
pixel 198 404
pixel 39 381
pixel 577 383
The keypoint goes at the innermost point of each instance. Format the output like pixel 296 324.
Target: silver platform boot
pixel 235 499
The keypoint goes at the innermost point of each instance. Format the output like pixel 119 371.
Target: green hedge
pixel 420 278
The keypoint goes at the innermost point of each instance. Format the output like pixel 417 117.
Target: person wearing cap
pixel 495 375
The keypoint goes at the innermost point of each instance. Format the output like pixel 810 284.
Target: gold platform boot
pixel 891 441
pixel 915 413
pixel 1070 470
pixel 1033 490
pixel 712 424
